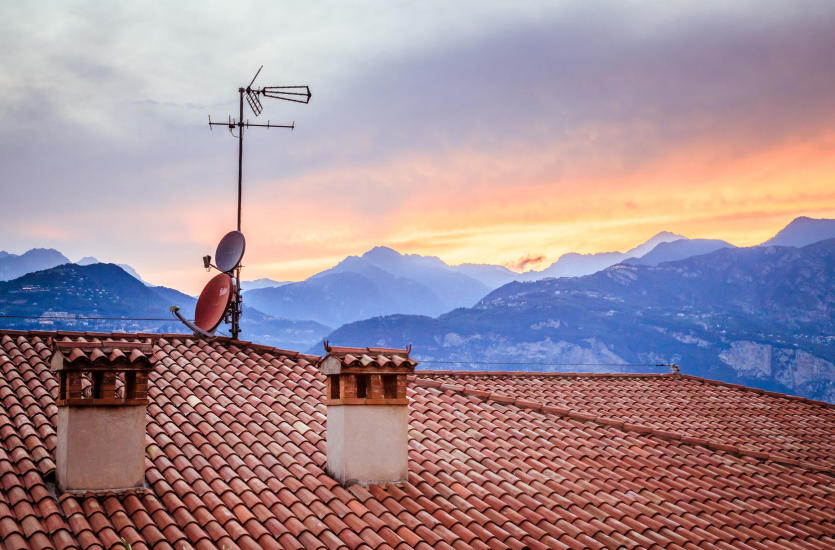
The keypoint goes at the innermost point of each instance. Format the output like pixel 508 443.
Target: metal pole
pixel 240 151
pixel 236 305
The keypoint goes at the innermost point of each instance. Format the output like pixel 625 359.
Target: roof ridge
pixel 262 347
pixel 626 426
pixel 758 390
pixel 53 333
pixel 522 374
pixel 525 374
pixel 157 336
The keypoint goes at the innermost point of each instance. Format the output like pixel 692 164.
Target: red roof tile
pixel 673 406
pixel 236 457
pixel 377 357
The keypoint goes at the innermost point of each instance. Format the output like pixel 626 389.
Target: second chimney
pixel 102 396
pixel 368 416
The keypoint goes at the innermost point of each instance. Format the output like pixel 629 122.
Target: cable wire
pixel 73 318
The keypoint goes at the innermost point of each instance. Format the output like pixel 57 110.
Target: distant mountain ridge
pixel 263 282
pixel 383 281
pixel 577 265
pixel 803 231
pixel 107 291
pixel 13 266
pixel 89 260
pixel 762 316
pixel 380 282
pixel 678 250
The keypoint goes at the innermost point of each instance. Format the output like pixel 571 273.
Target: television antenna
pixel 221 297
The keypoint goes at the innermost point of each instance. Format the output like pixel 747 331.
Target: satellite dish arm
pixel 197 330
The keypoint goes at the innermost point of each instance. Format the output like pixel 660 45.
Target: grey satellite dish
pixel 230 250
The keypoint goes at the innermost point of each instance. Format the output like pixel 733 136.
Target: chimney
pixel 102 395
pixel 368 414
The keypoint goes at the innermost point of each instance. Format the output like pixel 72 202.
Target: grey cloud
pixel 120 118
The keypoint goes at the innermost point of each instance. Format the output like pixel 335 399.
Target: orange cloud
pixel 475 206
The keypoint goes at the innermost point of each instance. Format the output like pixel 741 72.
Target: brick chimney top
pixel 108 372
pixel 102 396
pixel 99 352
pixel 366 376
pixel 368 424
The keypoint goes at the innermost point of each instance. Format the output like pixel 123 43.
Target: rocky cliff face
pixel 796 369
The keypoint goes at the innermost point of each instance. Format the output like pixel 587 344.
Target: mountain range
pixel 90 260
pixel 679 249
pixel 13 266
pixel 802 231
pixel 263 282
pixel 464 312
pixel 577 265
pixel 107 293
pixel 762 316
pixel 382 282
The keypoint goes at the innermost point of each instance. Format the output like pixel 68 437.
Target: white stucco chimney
pixel 102 396
pixel 368 413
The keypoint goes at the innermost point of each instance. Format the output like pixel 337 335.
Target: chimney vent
pixel 368 417
pixel 102 396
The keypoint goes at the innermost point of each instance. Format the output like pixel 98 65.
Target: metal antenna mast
pixel 296 94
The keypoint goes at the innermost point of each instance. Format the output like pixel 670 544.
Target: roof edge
pixel 157 336
pixel 626 426
pixel 559 374
pixel 758 390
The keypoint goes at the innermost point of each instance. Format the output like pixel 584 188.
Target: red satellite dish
pixel 213 302
pixel 230 250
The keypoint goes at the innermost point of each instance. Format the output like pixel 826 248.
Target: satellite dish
pixel 213 302
pixel 230 250
pixel 211 305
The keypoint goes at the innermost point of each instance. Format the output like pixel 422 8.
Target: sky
pixel 476 131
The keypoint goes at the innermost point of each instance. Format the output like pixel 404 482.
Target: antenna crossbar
pixel 248 124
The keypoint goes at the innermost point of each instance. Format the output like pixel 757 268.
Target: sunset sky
pixel 489 132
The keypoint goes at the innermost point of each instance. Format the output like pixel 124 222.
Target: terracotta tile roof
pixel 236 454
pixel 107 350
pixel 786 427
pixel 373 357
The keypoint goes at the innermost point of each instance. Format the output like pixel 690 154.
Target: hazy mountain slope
pixel 573 264
pixel 646 246
pixel 679 250
pixel 13 266
pixel 491 276
pixel 263 282
pixel 97 289
pixel 106 290
pixel 380 282
pixel 89 260
pixel 763 316
pixel 802 231
pixel 578 265
pixel 174 297
pixel 452 288
pixel 335 298
pixel 287 334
